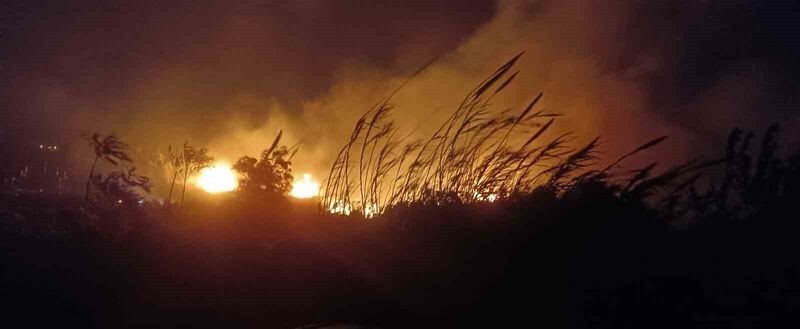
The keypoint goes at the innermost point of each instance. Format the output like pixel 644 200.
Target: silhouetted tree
pixel 174 159
pixel 271 175
pixel 118 187
pixel 194 160
pixel 108 148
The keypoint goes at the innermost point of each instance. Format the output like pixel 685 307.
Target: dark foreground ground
pixel 582 261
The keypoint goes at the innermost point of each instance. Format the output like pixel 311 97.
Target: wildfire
pixel 305 188
pixel 491 197
pixel 217 179
pixel 339 209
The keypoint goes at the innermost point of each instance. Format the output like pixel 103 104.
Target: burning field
pixel 437 164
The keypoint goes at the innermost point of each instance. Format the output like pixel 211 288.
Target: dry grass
pixel 477 154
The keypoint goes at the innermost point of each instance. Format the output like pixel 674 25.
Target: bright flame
pixel 216 179
pixel 371 210
pixel 306 188
pixel 339 209
pixel 491 197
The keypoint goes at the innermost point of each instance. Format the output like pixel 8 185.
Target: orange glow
pixel 306 188
pixel 339 209
pixel 491 197
pixel 217 179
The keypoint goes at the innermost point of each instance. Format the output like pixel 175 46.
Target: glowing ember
pixel 219 178
pixel 306 188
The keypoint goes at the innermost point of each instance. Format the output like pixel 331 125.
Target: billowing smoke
pixel 229 77
pixel 627 72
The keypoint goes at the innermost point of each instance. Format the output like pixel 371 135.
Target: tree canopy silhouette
pixel 194 160
pixel 268 176
pixel 118 187
pixel 108 148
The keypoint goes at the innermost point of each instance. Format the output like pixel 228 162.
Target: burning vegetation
pixel 479 154
pixel 457 220
pixel 289 164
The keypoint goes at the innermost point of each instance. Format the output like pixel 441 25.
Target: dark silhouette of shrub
pixel 270 176
pixel 107 148
pixel 119 188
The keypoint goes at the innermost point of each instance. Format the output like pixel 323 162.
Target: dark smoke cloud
pixel 230 75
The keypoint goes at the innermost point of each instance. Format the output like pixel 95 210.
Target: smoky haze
pixel 230 76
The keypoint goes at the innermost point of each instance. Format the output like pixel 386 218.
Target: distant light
pixel 41 146
pixel 306 188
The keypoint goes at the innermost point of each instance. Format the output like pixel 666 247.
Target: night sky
pixel 231 75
